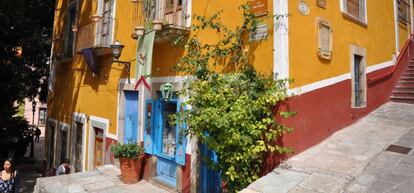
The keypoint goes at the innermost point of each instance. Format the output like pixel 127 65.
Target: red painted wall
pixel 108 143
pixel 324 111
pixel 186 174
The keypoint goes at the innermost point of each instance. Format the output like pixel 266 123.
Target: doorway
pixel 63 145
pixel 358 76
pixel 358 90
pixel 51 154
pixel 131 117
pixel 166 141
pixel 78 146
pixel 98 148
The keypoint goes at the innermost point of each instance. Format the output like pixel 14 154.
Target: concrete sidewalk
pixel 105 179
pixel 353 160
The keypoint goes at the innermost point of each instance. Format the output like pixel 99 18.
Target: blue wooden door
pixel 149 127
pixel 210 181
pixel 169 141
pixel 131 117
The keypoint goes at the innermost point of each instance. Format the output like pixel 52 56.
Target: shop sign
pixel 258 7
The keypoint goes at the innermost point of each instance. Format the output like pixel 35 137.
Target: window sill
pixel 355 19
pixel 359 107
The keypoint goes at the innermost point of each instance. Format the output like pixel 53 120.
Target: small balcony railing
pixel 173 16
pixel 96 34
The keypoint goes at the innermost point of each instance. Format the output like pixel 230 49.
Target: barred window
pixel 42 116
pixel 403 11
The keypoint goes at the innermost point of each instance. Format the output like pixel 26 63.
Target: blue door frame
pixel 164 140
pixel 131 117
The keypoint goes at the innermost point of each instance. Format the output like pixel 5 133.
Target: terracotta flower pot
pixel 157 25
pixel 139 30
pixel 131 169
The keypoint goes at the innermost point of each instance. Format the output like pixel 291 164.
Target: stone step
pixel 393 97
pixel 403 91
pixel 402 99
pixel 403 87
pixel 407 78
pixel 406 82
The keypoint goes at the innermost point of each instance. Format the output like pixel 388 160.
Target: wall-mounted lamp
pixel 116 52
pixel 166 91
pixel 18 51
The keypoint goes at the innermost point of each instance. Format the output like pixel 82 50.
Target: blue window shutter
pixel 181 141
pixel 149 127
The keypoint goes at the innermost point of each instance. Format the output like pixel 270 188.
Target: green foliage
pixel 28 25
pixel 232 113
pixel 129 150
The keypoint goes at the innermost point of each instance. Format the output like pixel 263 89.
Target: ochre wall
pixel 76 89
pixel 378 37
pixel 166 56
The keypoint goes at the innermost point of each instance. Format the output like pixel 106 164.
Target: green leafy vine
pixel 233 113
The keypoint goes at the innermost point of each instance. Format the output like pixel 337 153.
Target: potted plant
pixel 157 24
pixel 139 30
pixel 131 156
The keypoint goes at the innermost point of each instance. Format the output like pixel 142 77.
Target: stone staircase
pixel 404 90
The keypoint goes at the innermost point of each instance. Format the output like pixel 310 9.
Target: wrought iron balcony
pixel 96 35
pixel 169 18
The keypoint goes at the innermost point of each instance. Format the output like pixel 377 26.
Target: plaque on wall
pixel 303 7
pixel 321 3
pixel 261 33
pixel 258 7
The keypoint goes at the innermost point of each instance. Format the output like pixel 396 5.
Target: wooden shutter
pixel 353 7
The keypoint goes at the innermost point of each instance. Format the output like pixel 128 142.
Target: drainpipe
pixel 397 39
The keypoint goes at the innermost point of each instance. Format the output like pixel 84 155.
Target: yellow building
pixel 329 48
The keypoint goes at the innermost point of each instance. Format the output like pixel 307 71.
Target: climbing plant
pixel 233 111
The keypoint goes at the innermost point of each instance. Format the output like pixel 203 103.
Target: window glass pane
pixel 168 132
pixel 42 116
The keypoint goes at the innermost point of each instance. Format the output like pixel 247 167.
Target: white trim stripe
pixel 296 90
pixel 334 80
pixel 281 40
pixel 169 79
pixel 380 66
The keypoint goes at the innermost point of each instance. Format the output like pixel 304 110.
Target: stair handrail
pixel 397 63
